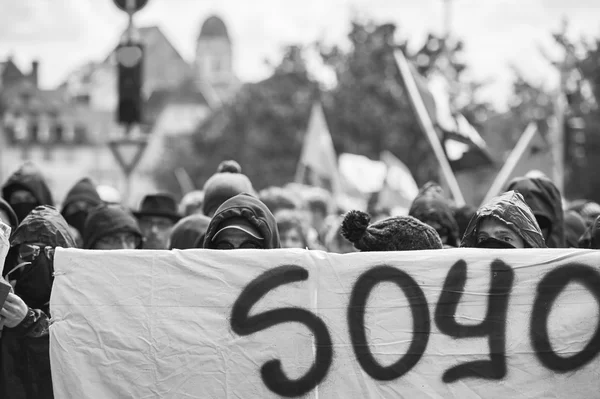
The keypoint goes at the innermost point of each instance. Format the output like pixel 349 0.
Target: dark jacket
pixel 430 206
pixel 29 178
pixel 545 202
pixel 24 350
pixel 105 220
pixel 189 231
pixel 509 208
pixel 250 208
pixel 5 206
pixel 591 238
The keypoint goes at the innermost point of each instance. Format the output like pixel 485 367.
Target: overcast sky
pixel 64 34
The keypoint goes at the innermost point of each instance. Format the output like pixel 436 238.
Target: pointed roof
pixel 213 27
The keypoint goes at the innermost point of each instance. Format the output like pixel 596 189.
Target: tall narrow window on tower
pixel 130 60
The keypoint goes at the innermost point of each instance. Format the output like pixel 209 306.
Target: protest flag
pixel 318 160
pixel 532 152
pixel 426 122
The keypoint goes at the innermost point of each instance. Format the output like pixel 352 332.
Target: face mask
pixel 494 243
pixel 34 283
pixel 77 220
pixel 23 209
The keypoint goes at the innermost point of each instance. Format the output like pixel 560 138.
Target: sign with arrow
pixel 128 152
pixel 130 6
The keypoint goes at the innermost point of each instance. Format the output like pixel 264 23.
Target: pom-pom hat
pixel 401 233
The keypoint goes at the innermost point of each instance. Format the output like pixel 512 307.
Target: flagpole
pixel 427 126
pixel 511 162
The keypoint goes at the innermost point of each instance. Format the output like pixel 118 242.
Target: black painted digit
pixel 548 290
pixel 493 326
pixel 243 324
pixel 356 322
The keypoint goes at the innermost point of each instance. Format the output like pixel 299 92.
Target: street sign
pixel 131 6
pixel 128 152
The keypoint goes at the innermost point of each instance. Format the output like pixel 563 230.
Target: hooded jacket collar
pixel 544 199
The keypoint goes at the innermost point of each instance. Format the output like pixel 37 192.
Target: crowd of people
pixel 230 214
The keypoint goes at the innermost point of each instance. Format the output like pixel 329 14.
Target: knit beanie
pixel 225 184
pixel 400 233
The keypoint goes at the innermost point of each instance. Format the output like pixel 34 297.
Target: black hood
pixel 29 178
pixel 509 208
pixel 83 190
pixel 250 208
pixel 545 201
pixel 431 206
pixel 109 219
pixel 43 225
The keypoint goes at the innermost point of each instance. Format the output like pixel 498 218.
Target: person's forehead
pixel 234 234
pixel 494 224
pixel 22 193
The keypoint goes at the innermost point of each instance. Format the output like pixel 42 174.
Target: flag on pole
pixel 464 147
pixel 318 165
pixel 399 187
pixel 532 152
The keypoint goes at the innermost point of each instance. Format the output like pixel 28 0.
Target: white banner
pixel 461 323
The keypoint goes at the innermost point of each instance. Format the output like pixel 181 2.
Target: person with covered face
pixel 156 218
pixel 25 190
pixel 504 222
pixel 111 227
pixel 432 208
pixel 242 222
pixel 543 197
pixel 79 201
pixel 29 266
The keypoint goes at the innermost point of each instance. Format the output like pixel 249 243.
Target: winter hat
pixel 225 184
pixel 400 233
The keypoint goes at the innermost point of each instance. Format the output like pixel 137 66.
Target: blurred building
pixel 65 131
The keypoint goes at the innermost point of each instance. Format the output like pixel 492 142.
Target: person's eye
pixel 223 245
pixel 507 239
pixel 250 245
pixel 481 238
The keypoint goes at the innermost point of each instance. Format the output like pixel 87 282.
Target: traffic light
pixel 130 61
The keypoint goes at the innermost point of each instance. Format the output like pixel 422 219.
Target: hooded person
pixel 242 222
pixel 7 215
pixel 504 222
pixel 574 228
pixel 79 201
pixel 189 231
pixel 545 202
pixel 225 184
pixel 25 190
pixel 111 226
pixel 24 354
pixel 432 208
pixel 399 233
pixel 591 238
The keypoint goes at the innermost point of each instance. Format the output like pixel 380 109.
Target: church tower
pixel 214 57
